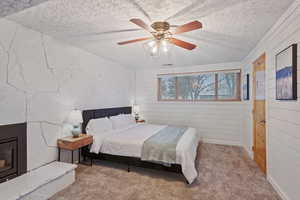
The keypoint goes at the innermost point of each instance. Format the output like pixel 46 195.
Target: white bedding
pixel 129 142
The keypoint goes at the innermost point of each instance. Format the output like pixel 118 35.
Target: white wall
pixel 283 117
pixel 42 80
pixel 217 122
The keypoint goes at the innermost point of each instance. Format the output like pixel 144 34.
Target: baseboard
pixel 249 152
pixel 277 188
pixel 222 142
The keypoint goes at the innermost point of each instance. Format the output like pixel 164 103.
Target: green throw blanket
pixel 161 147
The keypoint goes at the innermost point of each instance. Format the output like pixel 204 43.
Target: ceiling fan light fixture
pixel 157 47
pixel 151 44
pixel 165 46
pixel 152 48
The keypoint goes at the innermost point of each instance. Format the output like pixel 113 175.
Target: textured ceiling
pixel 8 7
pixel 231 28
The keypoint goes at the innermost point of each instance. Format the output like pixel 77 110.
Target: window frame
pixel 216 72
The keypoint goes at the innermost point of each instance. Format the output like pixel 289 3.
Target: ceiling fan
pixel 161 33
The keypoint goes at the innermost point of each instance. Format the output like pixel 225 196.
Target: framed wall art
pixel 246 90
pixel 286 74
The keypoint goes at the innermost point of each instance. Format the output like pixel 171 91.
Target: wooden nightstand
pixel 141 121
pixel 72 144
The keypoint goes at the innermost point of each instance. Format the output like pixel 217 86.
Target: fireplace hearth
pixel 13 151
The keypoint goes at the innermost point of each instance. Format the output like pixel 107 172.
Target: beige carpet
pixel 225 173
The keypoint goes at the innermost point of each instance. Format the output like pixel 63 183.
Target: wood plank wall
pixel 283 117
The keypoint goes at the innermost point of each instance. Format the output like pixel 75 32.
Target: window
pixel 209 86
pixel 196 87
pixel 227 85
pixel 168 88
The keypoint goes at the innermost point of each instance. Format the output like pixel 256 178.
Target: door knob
pixel 263 121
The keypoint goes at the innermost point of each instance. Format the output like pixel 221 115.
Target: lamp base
pixel 136 116
pixel 76 131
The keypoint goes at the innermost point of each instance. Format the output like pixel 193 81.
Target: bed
pixel 127 144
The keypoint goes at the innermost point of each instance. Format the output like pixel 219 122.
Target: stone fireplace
pixel 13 151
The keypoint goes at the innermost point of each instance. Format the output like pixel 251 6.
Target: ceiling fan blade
pixel 136 40
pixel 141 24
pixel 182 44
pixel 188 27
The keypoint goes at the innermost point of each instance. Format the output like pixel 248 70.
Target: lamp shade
pixel 75 117
pixel 136 108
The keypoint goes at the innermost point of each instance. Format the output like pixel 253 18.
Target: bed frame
pixel 129 161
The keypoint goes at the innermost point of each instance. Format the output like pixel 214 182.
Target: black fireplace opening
pixel 8 157
pixel 13 151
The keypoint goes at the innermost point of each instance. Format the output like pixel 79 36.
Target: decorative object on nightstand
pixel 70 143
pixel 75 119
pixel 141 121
pixel 136 110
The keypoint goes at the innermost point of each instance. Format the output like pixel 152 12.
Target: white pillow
pixel 129 118
pixel 122 121
pixel 99 126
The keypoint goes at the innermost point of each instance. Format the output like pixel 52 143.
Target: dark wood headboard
pixel 87 115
